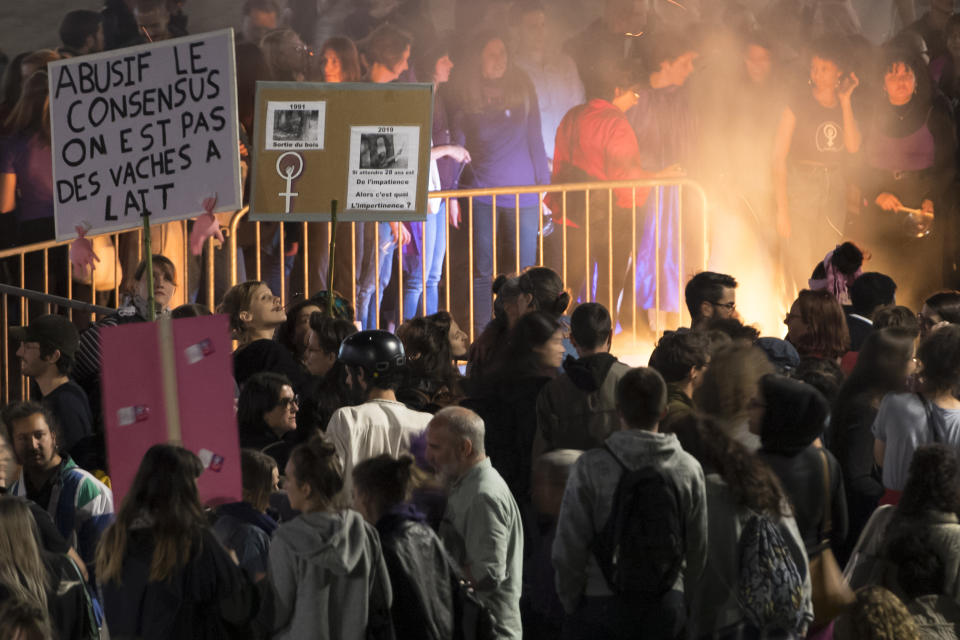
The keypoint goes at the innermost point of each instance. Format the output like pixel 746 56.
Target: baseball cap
pixel 50 331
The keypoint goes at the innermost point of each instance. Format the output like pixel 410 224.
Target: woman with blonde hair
pixel 255 313
pixel 47 581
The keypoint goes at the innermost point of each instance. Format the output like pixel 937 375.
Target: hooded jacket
pixel 588 501
pixel 327 580
pixel 578 410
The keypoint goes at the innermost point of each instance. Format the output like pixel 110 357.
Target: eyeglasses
pixel 729 306
pixel 287 402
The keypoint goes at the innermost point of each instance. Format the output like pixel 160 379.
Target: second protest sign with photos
pixel 151 128
pixel 366 146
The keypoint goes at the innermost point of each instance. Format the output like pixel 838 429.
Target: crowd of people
pixel 412 484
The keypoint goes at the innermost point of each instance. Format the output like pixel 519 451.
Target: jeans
pixel 367 270
pixel 506 251
pixel 426 256
pixel 663 204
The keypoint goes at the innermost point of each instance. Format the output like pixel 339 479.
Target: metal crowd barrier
pixel 16 261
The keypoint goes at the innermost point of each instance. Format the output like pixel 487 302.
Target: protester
pixel 267 416
pixel 423 600
pixel 292 334
pixel 909 165
pixel 885 362
pixel 496 117
pixel 818 130
pixel 48 581
pixel 163 573
pixel 675 504
pixel 876 615
pixel 376 366
pixel 577 410
pixel 508 404
pixel 681 357
pixel 816 326
pixel 327 577
pixel 708 295
pixel 730 388
pixel 481 527
pixel 245 527
pixel 943 306
pixel 793 419
pixel 740 489
pixel 432 344
pixel 81 505
pixel 326 389
pixel 48 347
pixel 255 313
pixel 535 289
pixel 868 292
pixel 89 362
pixel 907 420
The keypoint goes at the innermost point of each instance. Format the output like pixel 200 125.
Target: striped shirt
pixel 81 507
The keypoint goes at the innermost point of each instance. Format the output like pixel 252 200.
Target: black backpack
pixel 641 548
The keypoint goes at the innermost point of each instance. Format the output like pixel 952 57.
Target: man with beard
pixel 481 527
pixel 81 505
pixel 375 364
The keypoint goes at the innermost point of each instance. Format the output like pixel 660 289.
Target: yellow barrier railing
pixel 20 269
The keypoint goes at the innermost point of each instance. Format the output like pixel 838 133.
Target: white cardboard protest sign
pixel 152 127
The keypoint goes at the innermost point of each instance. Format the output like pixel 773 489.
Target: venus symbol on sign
pixel 289 173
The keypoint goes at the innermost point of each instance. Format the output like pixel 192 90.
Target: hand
pixel 458 153
pixel 847 85
pixel 233 556
pixel 927 206
pixel 888 202
pixel 243 149
pixel 783 225
pixel 401 235
pixel 454 205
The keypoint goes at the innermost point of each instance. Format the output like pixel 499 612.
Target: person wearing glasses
pixel 267 416
pixel 710 295
pixel 941 307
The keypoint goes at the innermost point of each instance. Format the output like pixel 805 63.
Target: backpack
pixel 641 548
pixel 770 589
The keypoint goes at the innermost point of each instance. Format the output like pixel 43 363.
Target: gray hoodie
pixel 588 500
pixel 327 578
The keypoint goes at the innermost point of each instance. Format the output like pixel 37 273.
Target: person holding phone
pixel 817 133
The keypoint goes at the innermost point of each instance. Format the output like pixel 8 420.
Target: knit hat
pixel 795 414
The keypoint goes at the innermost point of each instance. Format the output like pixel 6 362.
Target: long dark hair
pixel 468 82
pixel 827 334
pixel 426 342
pixel 259 395
pixel 533 330
pixel 346 51
pixel 753 485
pixel 881 369
pixel 164 493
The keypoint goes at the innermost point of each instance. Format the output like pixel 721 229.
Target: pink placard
pixel 135 407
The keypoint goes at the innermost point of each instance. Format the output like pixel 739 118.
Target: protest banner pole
pixel 148 252
pixel 333 244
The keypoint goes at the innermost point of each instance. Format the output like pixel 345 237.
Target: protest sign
pixel 147 129
pixel 171 381
pixel 364 145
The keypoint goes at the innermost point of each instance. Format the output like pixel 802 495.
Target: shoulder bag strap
pixel 933 420
pixel 826 523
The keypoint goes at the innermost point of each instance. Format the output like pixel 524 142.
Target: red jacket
pixel 597 139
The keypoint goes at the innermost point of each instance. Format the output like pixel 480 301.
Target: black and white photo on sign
pixel 383 168
pixel 383 151
pixel 295 125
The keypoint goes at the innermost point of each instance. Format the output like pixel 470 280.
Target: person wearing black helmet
pixel 375 363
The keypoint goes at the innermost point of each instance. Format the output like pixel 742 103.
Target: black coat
pixel 208 598
pixel 423 605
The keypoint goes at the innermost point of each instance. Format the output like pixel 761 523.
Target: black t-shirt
pixel 818 133
pixel 70 407
pixel 267 355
